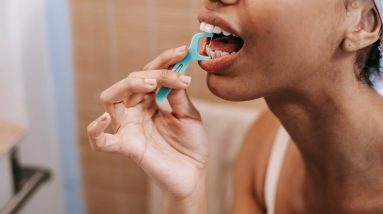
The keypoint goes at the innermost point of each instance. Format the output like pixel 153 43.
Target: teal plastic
pixel 183 65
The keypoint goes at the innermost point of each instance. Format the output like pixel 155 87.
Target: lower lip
pixel 217 65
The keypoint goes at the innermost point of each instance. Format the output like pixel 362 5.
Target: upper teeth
pixel 214 29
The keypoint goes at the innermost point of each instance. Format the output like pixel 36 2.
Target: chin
pixel 230 89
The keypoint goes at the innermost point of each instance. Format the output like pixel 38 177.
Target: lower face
pixel 280 44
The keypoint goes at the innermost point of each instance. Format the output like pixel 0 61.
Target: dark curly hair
pixel 369 62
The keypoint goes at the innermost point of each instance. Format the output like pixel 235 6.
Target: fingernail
pixel 181 49
pixel 150 82
pixel 185 79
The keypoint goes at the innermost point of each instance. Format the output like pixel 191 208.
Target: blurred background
pixel 56 57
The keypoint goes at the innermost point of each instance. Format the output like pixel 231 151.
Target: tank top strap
pixel 274 167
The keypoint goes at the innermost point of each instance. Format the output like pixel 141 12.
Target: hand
pixel 171 147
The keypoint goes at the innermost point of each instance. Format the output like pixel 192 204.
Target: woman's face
pixel 287 44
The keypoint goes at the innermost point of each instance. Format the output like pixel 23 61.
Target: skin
pixel 300 56
pixel 151 136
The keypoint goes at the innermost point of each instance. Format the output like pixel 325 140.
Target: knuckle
pixel 168 75
pixel 163 74
pixel 104 98
pixel 131 82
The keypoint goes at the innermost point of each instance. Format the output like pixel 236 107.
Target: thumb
pixel 98 139
pixel 182 105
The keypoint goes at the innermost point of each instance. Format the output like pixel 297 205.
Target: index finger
pixel 139 83
pixel 121 91
pixel 167 58
pixel 143 82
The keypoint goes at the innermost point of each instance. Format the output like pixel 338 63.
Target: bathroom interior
pixel 56 57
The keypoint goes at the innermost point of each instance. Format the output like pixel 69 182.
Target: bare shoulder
pixel 251 165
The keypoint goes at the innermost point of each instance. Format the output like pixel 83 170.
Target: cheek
pixel 288 36
pixel 286 43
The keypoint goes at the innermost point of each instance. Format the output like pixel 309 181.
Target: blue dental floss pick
pixel 183 65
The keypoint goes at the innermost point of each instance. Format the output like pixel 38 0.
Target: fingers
pixel 182 105
pixel 167 78
pixel 143 83
pixel 167 58
pixel 125 91
pixel 112 98
pixel 134 100
pixel 126 87
pixel 98 139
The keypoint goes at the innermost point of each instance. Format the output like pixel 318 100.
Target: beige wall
pixel 111 39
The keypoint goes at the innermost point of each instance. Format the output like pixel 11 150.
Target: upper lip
pixel 213 19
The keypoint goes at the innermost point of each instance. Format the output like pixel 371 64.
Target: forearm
pixel 196 203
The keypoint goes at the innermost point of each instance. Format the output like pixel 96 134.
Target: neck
pixel 339 132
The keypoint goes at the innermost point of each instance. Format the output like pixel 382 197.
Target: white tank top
pixel 274 168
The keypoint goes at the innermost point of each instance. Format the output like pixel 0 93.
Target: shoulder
pixel 251 164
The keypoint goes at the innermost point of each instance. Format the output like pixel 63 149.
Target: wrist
pixel 194 203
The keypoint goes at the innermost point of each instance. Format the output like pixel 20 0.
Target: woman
pixel 313 62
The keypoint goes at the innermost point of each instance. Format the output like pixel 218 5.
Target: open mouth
pixel 223 43
pixel 223 48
